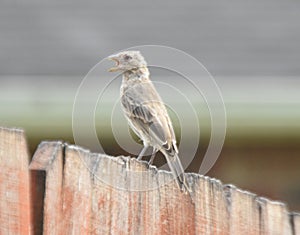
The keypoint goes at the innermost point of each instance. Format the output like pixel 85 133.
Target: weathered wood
pixel 120 195
pixel 243 211
pixel 296 222
pixel 76 193
pixel 89 193
pixel 15 206
pixel 49 157
pixel 275 218
pixel 211 209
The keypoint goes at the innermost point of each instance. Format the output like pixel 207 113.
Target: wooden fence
pixel 68 190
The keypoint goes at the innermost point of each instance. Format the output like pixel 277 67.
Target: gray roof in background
pixel 237 37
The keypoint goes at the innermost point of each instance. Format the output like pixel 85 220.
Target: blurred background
pixel 250 47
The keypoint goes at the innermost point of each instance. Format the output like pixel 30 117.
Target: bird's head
pixel 127 60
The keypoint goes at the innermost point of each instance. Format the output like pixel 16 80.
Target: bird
pixel 146 113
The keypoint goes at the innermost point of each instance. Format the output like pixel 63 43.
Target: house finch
pixel 145 111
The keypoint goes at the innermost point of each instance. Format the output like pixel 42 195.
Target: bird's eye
pixel 127 57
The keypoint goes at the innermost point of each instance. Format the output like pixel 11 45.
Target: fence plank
pixel 49 157
pixel 76 192
pixel 15 206
pixel 211 214
pixel 243 211
pixel 275 218
pixel 296 223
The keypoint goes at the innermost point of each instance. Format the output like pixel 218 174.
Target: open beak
pixel 115 59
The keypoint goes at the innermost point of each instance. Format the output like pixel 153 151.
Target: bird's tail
pixel 176 169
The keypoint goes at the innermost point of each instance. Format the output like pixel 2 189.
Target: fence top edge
pixel 266 201
pixel 12 129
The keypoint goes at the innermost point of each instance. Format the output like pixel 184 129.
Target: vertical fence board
pixel 76 192
pixel 296 223
pixel 211 214
pixel 175 217
pixel 15 206
pixel 274 218
pixel 243 211
pixel 49 157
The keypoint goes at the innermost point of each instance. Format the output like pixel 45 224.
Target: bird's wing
pixel 147 114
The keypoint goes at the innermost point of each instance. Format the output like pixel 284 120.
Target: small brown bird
pixel 145 111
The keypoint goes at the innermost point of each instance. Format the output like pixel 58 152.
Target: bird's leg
pixel 142 152
pixel 152 156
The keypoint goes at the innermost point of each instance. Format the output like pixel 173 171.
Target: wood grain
pixel 119 195
pixel 296 222
pixel 90 193
pixel 275 218
pixel 15 206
